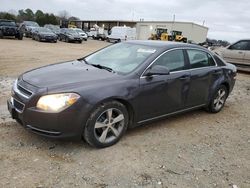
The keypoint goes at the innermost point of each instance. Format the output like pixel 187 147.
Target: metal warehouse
pixel 193 32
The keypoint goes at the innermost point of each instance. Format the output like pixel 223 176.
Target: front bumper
pixel 66 124
pixel 48 38
pixel 75 39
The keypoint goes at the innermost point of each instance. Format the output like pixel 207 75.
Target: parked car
pixel 10 28
pixel 123 85
pixel 119 34
pixel 69 35
pixel 26 27
pixel 44 34
pixel 238 53
pixel 82 33
pixel 54 28
pixel 98 33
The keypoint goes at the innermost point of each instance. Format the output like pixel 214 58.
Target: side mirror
pixel 157 70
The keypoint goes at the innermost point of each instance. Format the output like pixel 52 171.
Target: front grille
pixel 24 91
pixel 10 30
pixel 18 105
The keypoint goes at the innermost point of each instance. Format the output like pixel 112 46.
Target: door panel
pixel 233 56
pixel 162 94
pixel 199 87
pixel 247 58
pixel 201 64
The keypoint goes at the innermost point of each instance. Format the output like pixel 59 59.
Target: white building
pixel 144 29
pixel 193 32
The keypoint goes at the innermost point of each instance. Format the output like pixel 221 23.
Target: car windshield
pixel 54 28
pixel 121 58
pixel 43 29
pixel 4 23
pixel 71 31
pixel 79 30
pixel 34 24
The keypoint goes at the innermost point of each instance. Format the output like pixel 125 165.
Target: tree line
pixel 39 16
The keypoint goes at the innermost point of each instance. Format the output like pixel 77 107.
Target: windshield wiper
pixel 103 67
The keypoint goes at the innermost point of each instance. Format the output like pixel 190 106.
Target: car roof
pixel 164 44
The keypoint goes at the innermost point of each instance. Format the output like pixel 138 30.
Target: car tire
pixel 67 39
pixel 80 41
pixel 106 125
pixel 20 37
pixel 218 100
pixel 1 34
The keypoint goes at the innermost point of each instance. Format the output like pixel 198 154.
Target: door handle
pixel 184 77
pixel 216 72
pixel 240 52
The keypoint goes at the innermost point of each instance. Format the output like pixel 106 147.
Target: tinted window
pixel 199 59
pixel 173 60
pixel 241 45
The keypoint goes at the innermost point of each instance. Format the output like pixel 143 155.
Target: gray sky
pixel 226 19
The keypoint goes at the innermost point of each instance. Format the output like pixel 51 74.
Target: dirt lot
pixel 196 149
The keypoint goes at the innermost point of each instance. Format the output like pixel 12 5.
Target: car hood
pixel 64 74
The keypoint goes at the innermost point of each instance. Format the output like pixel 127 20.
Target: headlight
pixel 57 102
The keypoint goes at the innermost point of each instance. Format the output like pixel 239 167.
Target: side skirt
pixel 172 113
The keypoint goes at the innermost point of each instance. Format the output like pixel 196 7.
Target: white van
pixel 119 34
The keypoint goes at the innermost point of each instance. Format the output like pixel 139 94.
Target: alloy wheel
pixel 219 99
pixel 109 125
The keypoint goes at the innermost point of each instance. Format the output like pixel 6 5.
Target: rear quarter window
pixel 199 59
pixel 219 61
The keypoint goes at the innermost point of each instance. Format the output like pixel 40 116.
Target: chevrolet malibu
pixel 121 86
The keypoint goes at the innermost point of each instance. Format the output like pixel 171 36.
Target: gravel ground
pixel 196 149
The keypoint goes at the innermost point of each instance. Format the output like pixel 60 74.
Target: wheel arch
pixel 226 84
pixel 123 101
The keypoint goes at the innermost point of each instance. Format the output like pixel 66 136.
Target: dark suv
pixel 27 26
pixel 10 28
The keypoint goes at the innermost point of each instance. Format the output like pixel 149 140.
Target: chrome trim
pixel 172 113
pixel 19 92
pixel 43 131
pixel 182 48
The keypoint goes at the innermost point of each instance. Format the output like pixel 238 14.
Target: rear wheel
pixel 218 99
pixel 1 34
pixel 106 125
pixel 20 36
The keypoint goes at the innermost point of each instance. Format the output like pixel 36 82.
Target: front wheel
pixel 106 124
pixel 218 99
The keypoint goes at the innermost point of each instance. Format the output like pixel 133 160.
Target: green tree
pixel 7 16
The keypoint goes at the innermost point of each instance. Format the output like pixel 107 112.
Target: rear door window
pixel 199 59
